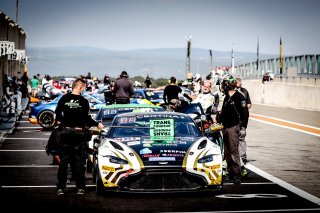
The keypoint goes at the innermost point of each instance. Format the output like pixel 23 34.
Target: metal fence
pixel 303 66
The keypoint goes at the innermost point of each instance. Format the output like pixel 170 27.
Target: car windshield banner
pixel 162 129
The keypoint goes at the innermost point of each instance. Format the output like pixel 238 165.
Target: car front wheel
pixel 46 119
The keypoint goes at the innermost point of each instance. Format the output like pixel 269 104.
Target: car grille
pixel 162 180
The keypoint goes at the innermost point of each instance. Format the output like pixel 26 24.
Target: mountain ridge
pixel 157 63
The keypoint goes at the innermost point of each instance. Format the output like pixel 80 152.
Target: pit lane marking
pixel 286 124
pixel 284 184
pixel 26 138
pixel 21 150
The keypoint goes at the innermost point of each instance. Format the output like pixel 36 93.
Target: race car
pixel 146 96
pixel 157 152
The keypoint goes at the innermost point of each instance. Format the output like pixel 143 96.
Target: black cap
pixel 124 74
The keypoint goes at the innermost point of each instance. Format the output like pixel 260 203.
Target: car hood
pixel 154 153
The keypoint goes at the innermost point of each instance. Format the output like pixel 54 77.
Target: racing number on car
pixel 127 120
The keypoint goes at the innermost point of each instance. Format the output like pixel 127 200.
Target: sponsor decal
pixel 150 155
pixel 145 151
pixel 162 158
pixel 172 151
pixel 108 168
pixel 214 167
pixel 132 143
pixel 173 155
pixel 165 144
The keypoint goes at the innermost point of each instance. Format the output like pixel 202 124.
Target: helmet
pixel 197 77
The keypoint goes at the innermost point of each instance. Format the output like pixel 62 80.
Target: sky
pixel 149 24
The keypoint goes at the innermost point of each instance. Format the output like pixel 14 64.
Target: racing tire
pixel 94 170
pixel 89 166
pixel 99 184
pixel 46 119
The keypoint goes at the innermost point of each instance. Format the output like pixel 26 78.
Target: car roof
pixel 130 105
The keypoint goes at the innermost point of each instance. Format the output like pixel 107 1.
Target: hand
pixel 242 132
pixel 100 126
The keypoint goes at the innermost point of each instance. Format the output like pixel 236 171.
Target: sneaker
pixel 237 180
pixel 81 192
pixel 244 173
pixel 60 192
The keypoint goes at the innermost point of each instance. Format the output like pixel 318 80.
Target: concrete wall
pixel 281 93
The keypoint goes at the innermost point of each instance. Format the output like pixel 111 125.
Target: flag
pixel 258 54
pixel 232 59
pixel 210 52
pixel 280 56
pixel 188 49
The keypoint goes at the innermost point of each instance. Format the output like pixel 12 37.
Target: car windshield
pixel 106 115
pixel 154 125
pixel 151 95
pixel 159 93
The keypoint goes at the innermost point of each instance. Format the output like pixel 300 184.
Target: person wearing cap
pixel 123 89
pixel 232 118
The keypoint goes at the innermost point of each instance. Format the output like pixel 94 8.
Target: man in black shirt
pixel 72 114
pixel 171 91
pixel 148 82
pixel 232 118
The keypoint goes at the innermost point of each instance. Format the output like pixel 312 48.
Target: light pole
pixel 188 38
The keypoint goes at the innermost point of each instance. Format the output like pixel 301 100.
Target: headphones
pixel 228 83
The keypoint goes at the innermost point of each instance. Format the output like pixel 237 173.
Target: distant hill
pixel 158 63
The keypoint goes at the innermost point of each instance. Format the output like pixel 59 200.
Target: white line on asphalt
pixel 28 166
pixel 26 138
pixel 20 150
pixel 28 127
pixel 35 130
pixel 47 186
pixel 264 183
pixel 283 184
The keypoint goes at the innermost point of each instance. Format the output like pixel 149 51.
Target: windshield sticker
pixel 143 110
pixel 108 112
pixel 149 93
pixel 162 129
pixel 126 120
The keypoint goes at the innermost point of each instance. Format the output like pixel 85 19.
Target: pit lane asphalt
pixel 28 181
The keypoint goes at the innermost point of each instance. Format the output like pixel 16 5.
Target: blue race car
pixel 43 112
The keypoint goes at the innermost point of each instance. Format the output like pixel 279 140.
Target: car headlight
pixel 206 159
pixel 117 160
pixel 202 144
